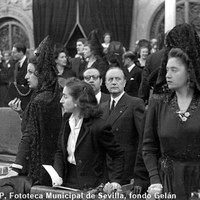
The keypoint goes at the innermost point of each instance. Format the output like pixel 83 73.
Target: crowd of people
pixel 109 115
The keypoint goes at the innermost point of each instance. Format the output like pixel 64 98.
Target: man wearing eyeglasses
pixel 125 116
pixel 92 76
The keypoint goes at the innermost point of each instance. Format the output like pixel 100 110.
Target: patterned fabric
pixel 42 119
pixel 185 37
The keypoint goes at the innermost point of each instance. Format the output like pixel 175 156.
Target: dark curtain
pixel 58 17
pixel 114 16
pixel 55 18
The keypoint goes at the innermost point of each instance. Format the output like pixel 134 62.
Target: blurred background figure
pixel 106 42
pixel 133 73
pixel 19 54
pixel 143 50
pixel 114 54
pixel 10 65
pixel 151 69
pixel 4 81
pixel 62 64
pixel 154 46
pixel 78 62
pixel 93 53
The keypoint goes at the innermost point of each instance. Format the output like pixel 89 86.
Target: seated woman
pixel 41 123
pixel 84 141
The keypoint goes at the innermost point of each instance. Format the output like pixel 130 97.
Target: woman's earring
pixel 75 105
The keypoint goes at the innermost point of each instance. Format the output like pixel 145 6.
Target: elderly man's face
pixel 115 81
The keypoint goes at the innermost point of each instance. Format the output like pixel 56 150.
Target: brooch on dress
pixel 183 115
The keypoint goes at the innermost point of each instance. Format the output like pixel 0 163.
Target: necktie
pixel 112 106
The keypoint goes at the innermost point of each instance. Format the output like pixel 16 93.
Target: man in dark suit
pixel 92 76
pixel 78 61
pixel 125 117
pixel 133 75
pixel 19 54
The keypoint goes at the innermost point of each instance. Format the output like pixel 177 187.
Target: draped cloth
pixel 58 18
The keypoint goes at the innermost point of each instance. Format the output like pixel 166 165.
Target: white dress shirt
pixel 116 99
pixel 131 67
pixel 73 136
pixel 98 97
pixel 22 61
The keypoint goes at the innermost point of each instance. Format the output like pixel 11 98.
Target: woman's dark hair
pixel 33 60
pixel 179 53
pixel 94 43
pixel 60 49
pixel 84 94
pixel 114 54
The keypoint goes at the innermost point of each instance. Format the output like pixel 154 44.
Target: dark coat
pixel 77 64
pixel 20 73
pixel 133 80
pixel 95 140
pixel 104 97
pixel 150 70
pixel 3 84
pixel 126 122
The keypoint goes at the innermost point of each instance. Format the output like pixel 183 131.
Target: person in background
pixel 106 43
pixel 114 54
pixel 93 53
pixel 154 46
pixel 10 65
pixel 40 125
pixel 85 140
pixel 93 77
pixel 151 70
pixel 78 61
pixel 19 54
pixel 171 135
pixel 62 65
pixel 125 114
pixel 144 51
pixel 4 82
pixel 133 73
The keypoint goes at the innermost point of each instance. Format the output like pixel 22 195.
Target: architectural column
pixel 170 14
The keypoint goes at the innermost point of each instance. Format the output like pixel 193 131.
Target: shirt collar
pixel 131 67
pixel 117 98
pixel 72 122
pixel 22 61
pixel 98 97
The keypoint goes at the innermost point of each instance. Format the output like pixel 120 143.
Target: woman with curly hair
pixel 84 141
pixel 171 147
pixel 40 126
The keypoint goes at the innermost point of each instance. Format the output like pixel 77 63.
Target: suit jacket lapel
pixel 65 137
pixel 84 131
pixel 118 110
pixel 130 74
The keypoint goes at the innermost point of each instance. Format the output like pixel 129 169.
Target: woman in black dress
pixel 171 145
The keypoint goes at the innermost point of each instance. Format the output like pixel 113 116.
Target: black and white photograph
pixel 100 99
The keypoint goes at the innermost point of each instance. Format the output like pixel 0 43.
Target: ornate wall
pixel 16 23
